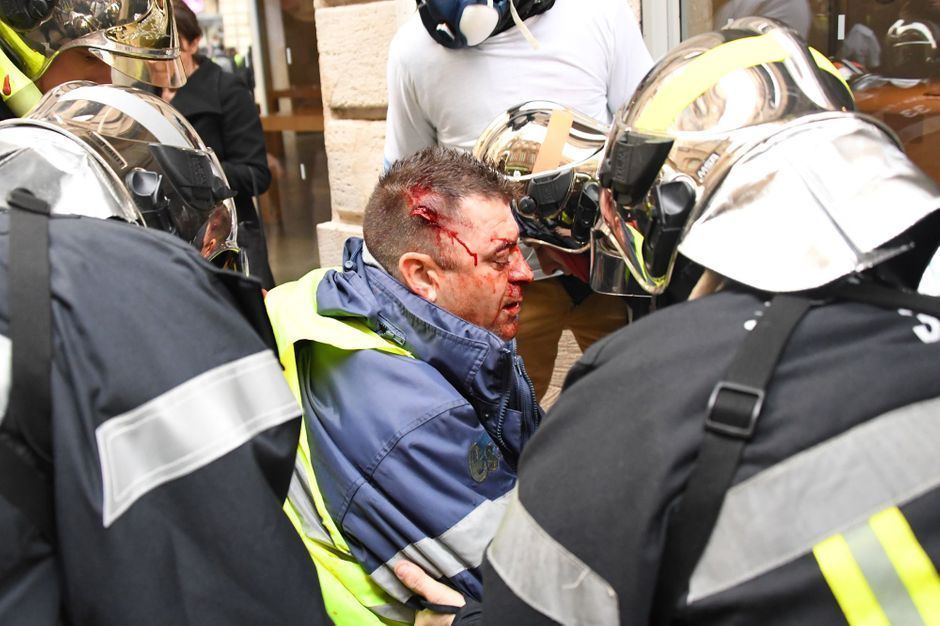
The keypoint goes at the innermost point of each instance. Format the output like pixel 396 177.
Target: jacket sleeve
pixel 245 163
pixel 436 499
pixel 407 126
pixel 174 436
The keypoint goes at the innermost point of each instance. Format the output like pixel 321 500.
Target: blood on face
pixel 419 203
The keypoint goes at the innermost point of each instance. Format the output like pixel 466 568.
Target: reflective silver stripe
pixel 458 548
pixel 301 498
pixel 546 576
pixel 6 367
pixel 883 579
pixel 781 513
pixel 188 427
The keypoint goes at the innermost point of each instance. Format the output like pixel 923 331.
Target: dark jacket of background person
pixel 222 111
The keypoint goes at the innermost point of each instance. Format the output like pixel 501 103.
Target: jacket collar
pixel 200 93
pixel 474 360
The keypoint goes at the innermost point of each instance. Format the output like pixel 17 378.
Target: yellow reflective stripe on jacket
pixel 913 566
pixel 880 574
pixel 292 308
pixel 31 60
pixel 350 595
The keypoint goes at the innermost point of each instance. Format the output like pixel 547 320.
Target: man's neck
pixel 368 259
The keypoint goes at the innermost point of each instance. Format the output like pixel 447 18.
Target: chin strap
pixel 522 27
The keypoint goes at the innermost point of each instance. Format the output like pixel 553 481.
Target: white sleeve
pixel 407 127
pixel 629 59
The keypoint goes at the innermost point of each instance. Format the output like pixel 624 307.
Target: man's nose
pixel 521 272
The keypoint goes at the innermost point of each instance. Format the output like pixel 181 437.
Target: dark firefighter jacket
pixel 834 516
pixel 173 438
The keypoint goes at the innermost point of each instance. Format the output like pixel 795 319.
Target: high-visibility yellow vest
pixel 350 595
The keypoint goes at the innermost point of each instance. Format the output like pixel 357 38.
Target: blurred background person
pixel 223 112
pixel 794 13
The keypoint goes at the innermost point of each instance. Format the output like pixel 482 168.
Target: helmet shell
pixel 715 105
pixel 553 153
pixel 137 38
pixel 135 157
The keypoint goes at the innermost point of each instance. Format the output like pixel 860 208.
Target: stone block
pixel 330 238
pixel 320 4
pixel 353 41
pixel 354 157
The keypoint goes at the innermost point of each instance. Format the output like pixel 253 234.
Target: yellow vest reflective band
pixel 350 595
pixel 880 574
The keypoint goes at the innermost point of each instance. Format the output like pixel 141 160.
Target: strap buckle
pixel 727 420
pixel 24 199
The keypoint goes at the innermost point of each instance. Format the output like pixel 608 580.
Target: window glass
pixel 886 49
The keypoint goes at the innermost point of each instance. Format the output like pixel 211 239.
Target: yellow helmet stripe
pixel 684 86
pixel 19 93
pixel 33 62
pixel 702 73
pixel 826 65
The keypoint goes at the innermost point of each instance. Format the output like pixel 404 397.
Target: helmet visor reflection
pixel 136 37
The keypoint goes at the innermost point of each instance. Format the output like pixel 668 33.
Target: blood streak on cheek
pixel 433 219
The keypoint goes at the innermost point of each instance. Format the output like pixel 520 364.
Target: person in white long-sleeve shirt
pixel 589 56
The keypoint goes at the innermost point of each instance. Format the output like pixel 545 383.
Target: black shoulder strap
pixel 733 409
pixel 887 297
pixel 26 457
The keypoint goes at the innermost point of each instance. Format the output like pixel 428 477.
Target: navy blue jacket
pixel 414 456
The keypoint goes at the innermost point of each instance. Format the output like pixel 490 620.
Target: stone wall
pixel 353 38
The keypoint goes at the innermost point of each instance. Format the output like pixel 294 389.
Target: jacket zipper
pixel 531 402
pixel 504 401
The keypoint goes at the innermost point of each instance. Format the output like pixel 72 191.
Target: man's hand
pixel 423 585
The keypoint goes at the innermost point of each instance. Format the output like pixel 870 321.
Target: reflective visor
pixel 632 163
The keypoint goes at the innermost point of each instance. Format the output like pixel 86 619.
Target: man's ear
pixel 420 274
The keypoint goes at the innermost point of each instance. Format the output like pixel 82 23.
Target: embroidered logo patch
pixel 483 458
